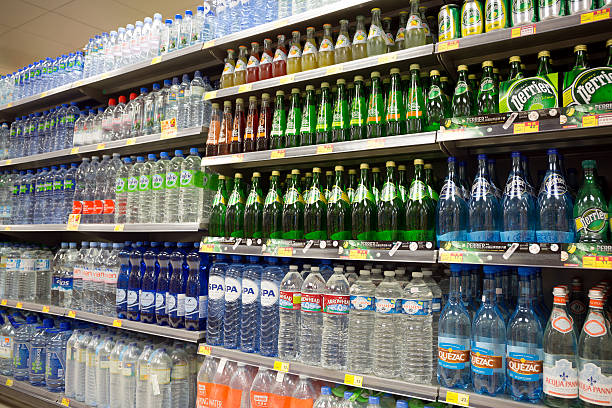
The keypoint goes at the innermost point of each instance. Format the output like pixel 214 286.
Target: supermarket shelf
pixel 422 252
pixel 31 396
pixel 427 392
pixel 501 253
pixel 353 150
pixel 149 143
pixel 40 101
pixel 481 401
pixel 175 227
pixel 34 307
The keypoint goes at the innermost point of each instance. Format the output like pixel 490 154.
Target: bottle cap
pixel 515 58
pixel 443 79
pixel 309 87
pixel 375 74
pixel 221 177
pixel 390 164
pixel 372 400
pixel 280 93
pixel 394 71
pixel 360 78
pixel 609 43
pixel 405 77
pixel 375 170
pixel 415 66
pixel 390 273
pixel 238 175
pixel 340 81
pixel 400 272
pixel 418 161
pixel 434 72
pixel 543 54
pixel 324 84
pixel 417 274
pixel 495 70
pixel 239 101
pixel 589 164
pixel 352 171
pixel 227 104
pixel 375 9
pixel 559 291
pixel 364 272
pixel 428 166
pixel 316 170
pixel 462 68
pixel 339 168
pixel 364 166
pixel 276 173
pixel 295 171
pixel 256 174
pixel 252 99
pixel 215 105
pixel 295 91
pixel 327 25
pixel 487 64
pixel 401 167
pixel 595 294
pixel 338 269
pixel 580 47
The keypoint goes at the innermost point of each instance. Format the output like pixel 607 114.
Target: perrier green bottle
pixel 234 216
pixel 341 115
pixel 315 210
pixel 352 184
pixel 376 109
pixel 391 214
pixel 338 209
pixel 515 68
pixel 420 208
pixel 415 101
pixel 308 127
pixel 437 106
pixel 429 180
pixel 294 120
pixel 487 100
pixel 253 210
pixel 279 122
pixel 359 110
pixel 329 183
pixel 544 67
pixel 590 208
pixel 401 182
pixel 324 116
pixel 395 106
pixel 272 223
pixel 293 209
pixel 376 184
pixel 217 212
pixel 364 218
pixel 462 98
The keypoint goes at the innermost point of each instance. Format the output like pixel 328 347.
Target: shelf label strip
pixel 457 398
pixel 281 366
pixel 354 380
pixel 204 350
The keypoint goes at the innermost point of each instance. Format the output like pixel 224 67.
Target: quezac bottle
pixel 484 209
pixel 364 214
pixel 452 209
pixel 315 210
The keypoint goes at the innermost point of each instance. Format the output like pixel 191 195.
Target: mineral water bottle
pixel 249 319
pixel 361 324
pixel 233 303
pixel 416 365
pixel 70 368
pixel 143 375
pixel 172 194
pixel 90 370
pixel 240 386
pixel 77 276
pixel 134 283
pixel 289 314
pixel 149 284
pixel 195 103
pixel 158 177
pixel 454 335
pixel 205 378
pixel 182 99
pixel 196 292
pixel 175 300
pixel 145 191
pixel 122 280
pixel 484 209
pixel 270 283
pixel 171 102
pixel 6 347
pixel 179 378
pixel 388 300
pixel 121 191
pixel 326 400
pixel 102 367
pixel 560 355
pixel 311 318
pixel 89 266
pixel 133 195
pixel 216 301
pixel 57 356
pixel 38 353
pixel 452 209
pixel 518 206
pixel 436 308
pixel 127 381
pixel 336 302
pixel 163 283
pixel 114 377
pixel 524 349
pixel 80 365
pixel 488 341
pixel 191 188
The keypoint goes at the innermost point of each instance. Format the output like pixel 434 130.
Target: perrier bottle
pixel 420 208
pixel 431 183
pixel 376 109
pixel 234 216
pixel 487 100
pixel 279 122
pixel 376 184
pixel 315 210
pixel 309 117
pixel 352 184
pixel 341 115
pixel 462 98
pixel 391 214
pixel 395 106
pixel 364 214
pixel 515 68
pixel 218 210
pixel 590 209
pixel 253 210
pixel 324 116
pixel 401 182
pixel 544 67
pixel 272 223
pixel 359 110
pixel 293 209
pixel 338 209
pixel 437 106
pixel 329 183
pixel 415 101
pixel 294 120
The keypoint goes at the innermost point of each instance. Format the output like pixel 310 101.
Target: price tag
pixel 448 45
pixel 209 44
pixel 238 157
pixel 168 128
pixel 130 141
pixel 74 150
pixel 457 398
pixel 156 60
pixel 9 382
pixel 277 154
pixel 3 302
pixel 119 227
pixel 45 309
pixel 73 222
pixel 204 350
pixel 386 58
pixel 117 323
pixel 281 366
pixel 358 254
pixel 285 251
pixel 65 402
pixel 72 314
pixel 210 95
pixel 9 105
pixel 287 79
pixel 207 247
pixel 281 23
pixel 597 261
pixel 245 88
pixel 101 146
pixel 526 127
pixel 451 257
pixel 7 228
pixel 78 83
pixel 335 69
pixel 376 144
pixel 9 161
pixel 19 305
pixel 43 94
pixel 354 380
pixel 326 148
pixel 589 120
pixel 593 16
pixel 523 31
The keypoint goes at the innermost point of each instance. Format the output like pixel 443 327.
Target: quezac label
pixel 453 353
pixel 523 364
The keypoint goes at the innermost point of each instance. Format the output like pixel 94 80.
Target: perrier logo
pixel 528 94
pixel 589 86
pixel 592 220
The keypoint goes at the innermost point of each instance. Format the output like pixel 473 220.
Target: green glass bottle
pixel 329 183
pixel 293 209
pixel 341 115
pixel 376 109
pixel 474 86
pixel 308 127
pixel 391 213
pixel 234 216
pixel 580 55
pixel 279 123
pixel 376 184
pixel 430 182
pixel 590 208
pixel 253 209
pixel 272 223
pixel 294 120
pixel 544 67
pixel 496 77
pixel 401 182
pixel 315 210
pixel 307 182
pixel 218 210
pixel 446 88
pixel 609 48
pixel 487 100
pixel 359 110
pixel 462 98
pixel 352 184
pixel 396 113
pixel 324 116
pixel 416 101
pixel 437 106
pixel 338 209
pixel 420 208
pixel 364 214
pixel 515 68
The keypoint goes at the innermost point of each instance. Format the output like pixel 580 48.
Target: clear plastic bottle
pixel 191 190
pixel 182 99
pixel 517 206
pixel 361 324
pixel 6 347
pixel 103 352
pixel 289 315
pixel 173 173
pixel 233 303
pixel 240 386
pixel 158 177
pixel 249 318
pixel 21 348
pixel 144 391
pixel 115 374
pixel 38 353
pixel 326 400
pixel 311 319
pixel 145 191
pixel 179 378
pixel 336 301
pixel 57 358
pixel 90 370
pixel 80 365
pixel 195 102
pixel 270 284
pixel 121 191
pixel 216 301
pixel 436 308
pixel 387 327
pixel 70 368
pixel 127 381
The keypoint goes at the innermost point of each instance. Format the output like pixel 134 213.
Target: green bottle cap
pixel 589 164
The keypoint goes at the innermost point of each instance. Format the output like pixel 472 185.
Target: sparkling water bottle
pixel 172 193
pixel 233 304
pixel 163 283
pixel 452 210
pixel 336 301
pixel 518 206
pixel 361 324
pixel 311 318
pixel 388 298
pixel 289 315
pixel 483 207
pixel 175 300
pixel 249 320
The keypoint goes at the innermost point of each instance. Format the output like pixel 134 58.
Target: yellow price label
pixel 101 146
pixel 586 18
pixel 287 79
pixel 7 228
pixel 458 398
pixel 9 105
pixel 245 88
pixel 589 120
pixel 354 380
pixel 45 309
pixel 209 44
pixel 602 14
pixel 597 261
pixel 523 31
pixel 335 69
pixel 104 75
pixel 72 314
pixel 281 366
pixel 238 157
pixel 117 323
pixel 74 150
pixel 130 141
pixel 376 144
pixel 156 60
pixel 526 127
pixel 9 382
pixel 285 251
pixel 43 94
pixel 358 254
pixel 277 154
pixel 19 305
pixel 9 161
pixel 386 58
pixel 73 222
pixel 65 402
pixel 326 148
pixel 448 45
pixel 207 247
pixel 168 128
pixel 210 95
pixel 451 257
pixel 78 83
pixel 119 227
pixel 3 302
pixel 204 350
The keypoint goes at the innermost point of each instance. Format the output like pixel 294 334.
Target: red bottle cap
pixel 122 99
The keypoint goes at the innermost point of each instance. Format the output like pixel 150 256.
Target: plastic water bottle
pixel 195 103
pixel 454 335
pixel 233 303
pixel 452 209
pixel 250 299
pixel 98 288
pixel 80 367
pixel 175 300
pixel 518 206
pixel 326 400
pixel 387 353
pixel 149 284
pixel 163 283
pixel 145 192
pixel 121 191
pixel 21 348
pixel 70 368
pixel 144 390
pixel 182 101
pixel 133 194
pixel 361 324
pixel 38 353
pixel 172 194
pixel 311 318
pixel 134 283
pixel 127 380
pixel 161 367
pixel 436 308
pixel 483 206
pixel 270 284
pixel 56 362
pixel 289 315
pixel 87 300
pixel 191 191
pixel 122 280
pixel 179 378
pixel 77 276
pixel 115 366
pixel 90 370
pixel 216 301
pixel 158 176
pixel 336 301
pixel 6 347
pixel 102 359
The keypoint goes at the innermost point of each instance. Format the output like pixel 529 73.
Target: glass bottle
pixel 293 209
pixel 227 77
pixel 352 184
pixel 590 208
pixel 391 214
pixel 294 120
pixel 341 114
pixel 462 98
pixel 252 122
pixel 515 68
pixel 376 109
pixel 484 208
pixel 376 36
pixel 396 125
pixel 234 215
pixel 214 128
pixel 342 51
pixel 279 122
pixel 364 214
pixel 315 209
pixel 272 221
pixel 253 209
pixel 426 24
pixel 265 124
pixel 265 63
pixel 431 183
pixel 329 183
pixel 359 49
pixel 239 127
pixel 487 100
pixel 518 206
pixel 326 48
pixel 225 134
pixel 415 33
pixel 308 123
pixel 420 208
pixel 240 70
pixel 338 209
pixel 415 101
pixel 389 40
pixel 294 59
pixel 310 52
pixel 400 36
pixel 452 209
pixel 544 67
pixel 401 182
pixel 218 210
pixel 376 184
pixel 279 64
pixel 359 110
pixel 253 63
pixel 324 116
pixel 437 106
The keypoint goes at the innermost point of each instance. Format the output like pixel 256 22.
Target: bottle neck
pixel 454 294
pixel 544 65
pixel 339 179
pixel 488 290
pixel 553 165
pixel 482 169
pixel 364 177
pixel 462 76
pixel 376 17
pixel 452 171
pixel 391 175
pixel 255 183
pixel 524 299
pixel 516 165
pixel 418 172
pixel 487 72
pixel 414 8
pixel 580 60
pixel 589 175
pixel 315 179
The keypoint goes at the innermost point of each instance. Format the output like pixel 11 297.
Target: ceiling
pixel 31 30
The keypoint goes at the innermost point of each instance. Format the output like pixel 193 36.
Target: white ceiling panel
pixel 104 15
pixel 167 8
pixel 14 13
pixel 19 48
pixel 47 4
pixel 61 29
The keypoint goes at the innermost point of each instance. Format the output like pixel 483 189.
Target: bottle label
pixel 192 178
pixel 235 198
pixel 562 323
pixel 310 48
pixel 228 69
pixel 38 357
pixel 133 302
pixel 461 88
pixel 233 289
pixel 592 220
pixel 449 189
pixel 279 55
pixel 488 358
pixel 253 198
pixel 144 183
pixel 147 301
pixel 290 300
pixel 171 304
pixel 389 192
pixel 418 190
pixel 120 297
pixel 453 353
pixel 55 367
pixel 326 45
pixel 595 325
pixel 524 364
pixel 266 59
pixel 594 386
pixel 416 307
pixel 360 37
pixel 342 41
pixel 336 304
pixel 481 188
pixel 362 303
pixel 240 66
pixel 515 187
pixel 336 194
pixel 157 182
pixel 253 62
pixel 269 293
pixel 109 206
pixel 295 52
pixel 218 199
pixel 312 302
pixel 6 348
pixel 293 196
pixel 388 306
pixel 560 377
pixel 375 31
pixel 554 185
pixel 362 193
pixel 160 304
pixel 132 184
pixel 313 195
pixel 21 358
pixel 171 179
pixel 250 291
pixel 110 276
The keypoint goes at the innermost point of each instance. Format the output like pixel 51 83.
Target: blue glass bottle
pixel 122 280
pixel 483 207
pixel 149 284
pixel 493 179
pixel 475 287
pixel 488 360
pixel 216 301
pixel 271 278
pixel 163 282
pixel 233 303
pixel 555 207
pixel 518 206
pixel 196 294
pixel 524 348
pixel 134 282
pixel 249 322
pixel 175 300
pixel 454 335
pixel 452 210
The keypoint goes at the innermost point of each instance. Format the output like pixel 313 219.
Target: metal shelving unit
pixel 474 400
pixel 26 394
pixel 174 227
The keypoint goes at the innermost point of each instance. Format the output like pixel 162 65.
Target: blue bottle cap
pixel 456 267
pixel 168 244
pixel 236 258
pixel 188 13
pixel 200 8
pixel 175 81
pixel 182 244
pixel 193 151
pixel 197 74
pixel 185 78
pixel 253 259
pixel 156 87
pixel 482 157
pixel 143 90
pixel 451 159
pixel 47 323
pixel 178 153
pixel 525 271
pixel 31 319
pixel 516 154
pixel 196 245
pixel 140 159
pixel 164 155
pixel 167 82
pixel 64 326
pixel 151 156
pixel 178 16
pixel 325 390
pixel 401 404
pixel 154 244
pixel 489 269
pixel 552 151
pixel 373 400
pixel 220 258
pixel 127 160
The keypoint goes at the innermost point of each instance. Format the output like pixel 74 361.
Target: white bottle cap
pixel 306 266
pixel 364 272
pixel 400 272
pixel 350 268
pixel 338 269
pixel 417 274
pixel 559 291
pixel 426 272
pixel 390 273
pixel 293 267
pixel 314 269
pixel 376 271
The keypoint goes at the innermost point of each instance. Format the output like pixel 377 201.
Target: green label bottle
pixel 341 114
pixel 420 208
pixel 391 214
pixel 294 120
pixel 415 101
pixel 462 98
pixel 272 223
pixel 364 217
pixel 293 209
pixel 429 180
pixel 219 208
pixel 234 216
pixel 487 100
pixel 339 209
pixel 253 210
pixel 315 210
pixel 395 106
pixel 352 185
pixel 401 182
pixel 437 106
pixel 324 116
pixel 590 208
pixel 376 184
pixel 308 127
pixel 279 123
pixel 376 109
pixel 359 110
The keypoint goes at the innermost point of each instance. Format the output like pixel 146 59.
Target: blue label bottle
pixel 196 293
pixel 122 280
pixel 452 209
pixel 149 283
pixel 249 322
pixel 163 282
pixel 134 283
pixel 175 301
pixel 233 303
pixel 518 206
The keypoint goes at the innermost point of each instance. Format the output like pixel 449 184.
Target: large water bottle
pixel 133 195
pixel 121 191
pixel 143 384
pixel 172 195
pixel 336 301
pixel 67 136
pixel 452 210
pixel 88 267
pixel 161 367
pixel 42 269
pixel 80 365
pixel 21 348
pixel 149 284
pixel 518 206
pixel 175 300
pixel 70 367
pixel 6 347
pixel 99 273
pixel 38 353
pixel 69 191
pixel 289 314
pixel 311 319
pixel 179 377
pixel 163 282
pixel 158 176
pixel 57 358
pixel 57 205
pixel 270 284
pixel 216 301
pixel 103 352
pixel 436 308
pixel 171 103
pixel 233 303
pixel 249 322
pixel 387 328
pixel 191 191
pixel 145 192
pixel 127 381
pixel 196 293
pixel 90 370
pixel 115 366
pixel 182 100
pixel 195 103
